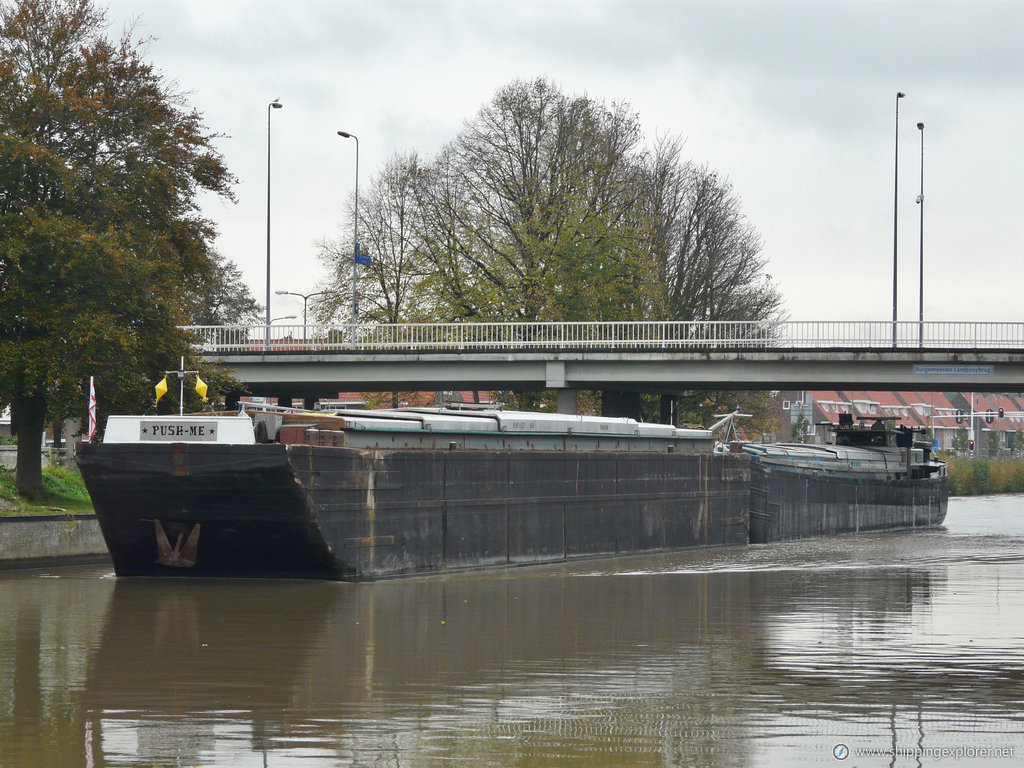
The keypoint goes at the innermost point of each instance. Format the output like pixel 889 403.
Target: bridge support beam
pixel 670 370
pixel 568 403
pixel 284 400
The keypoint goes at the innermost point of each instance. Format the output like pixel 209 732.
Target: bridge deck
pixel 662 357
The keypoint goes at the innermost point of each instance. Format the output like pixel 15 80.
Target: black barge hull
pixel 790 505
pixel 299 511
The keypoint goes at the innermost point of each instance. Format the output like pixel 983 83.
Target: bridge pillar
pixel 231 400
pixel 620 404
pixel 568 402
pixel 284 400
pixel 309 403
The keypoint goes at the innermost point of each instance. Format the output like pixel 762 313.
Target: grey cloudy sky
pixel 793 101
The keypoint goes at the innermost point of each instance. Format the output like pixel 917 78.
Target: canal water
pixel 899 649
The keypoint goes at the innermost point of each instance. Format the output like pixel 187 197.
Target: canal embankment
pixel 56 528
pixel 40 540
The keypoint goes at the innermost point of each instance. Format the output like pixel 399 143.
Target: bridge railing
pixel 653 335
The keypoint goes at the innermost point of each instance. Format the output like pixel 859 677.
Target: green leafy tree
pixel 799 428
pixel 217 295
pixel 960 445
pixel 703 407
pixel 101 162
pixel 546 221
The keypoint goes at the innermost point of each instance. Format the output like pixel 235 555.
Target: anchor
pixel 178 556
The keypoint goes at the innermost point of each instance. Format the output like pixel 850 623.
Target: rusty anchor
pixel 180 555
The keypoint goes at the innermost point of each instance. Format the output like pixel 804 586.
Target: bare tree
pixel 457 285
pixel 219 296
pixel 713 266
pixel 390 234
pixel 548 207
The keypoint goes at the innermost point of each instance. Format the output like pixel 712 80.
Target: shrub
pixel 976 477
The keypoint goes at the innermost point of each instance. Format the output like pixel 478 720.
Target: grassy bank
pixel 977 477
pixel 63 491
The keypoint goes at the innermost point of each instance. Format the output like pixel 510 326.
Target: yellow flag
pixel 201 388
pixel 161 388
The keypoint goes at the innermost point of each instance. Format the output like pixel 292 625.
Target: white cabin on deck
pixel 231 430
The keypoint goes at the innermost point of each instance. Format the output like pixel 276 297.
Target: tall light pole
pixel 275 104
pixel 920 202
pixel 305 297
pixel 355 236
pixel 895 209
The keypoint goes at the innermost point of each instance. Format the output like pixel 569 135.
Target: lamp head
pixel 276 104
pixel 900 94
pixel 281 293
pixel 345 134
pixel 920 126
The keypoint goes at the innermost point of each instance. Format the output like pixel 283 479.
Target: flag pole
pixel 92 411
pixel 181 373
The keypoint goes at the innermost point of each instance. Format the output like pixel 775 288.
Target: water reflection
pixel 767 655
pixel 182 667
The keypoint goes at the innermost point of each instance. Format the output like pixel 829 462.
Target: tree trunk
pixel 29 416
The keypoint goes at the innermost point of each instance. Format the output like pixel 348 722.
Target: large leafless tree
pixel 547 206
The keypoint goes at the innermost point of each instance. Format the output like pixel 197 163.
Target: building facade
pixel 982 424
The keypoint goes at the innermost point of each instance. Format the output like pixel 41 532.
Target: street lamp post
pixel 305 297
pixel 355 236
pixel 275 104
pixel 920 202
pixel 274 320
pixel 895 209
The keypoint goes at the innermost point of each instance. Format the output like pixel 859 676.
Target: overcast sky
pixel 793 101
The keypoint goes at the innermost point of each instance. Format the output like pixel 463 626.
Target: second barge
pixel 870 478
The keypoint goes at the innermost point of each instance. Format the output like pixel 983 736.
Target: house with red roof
pixel 995 422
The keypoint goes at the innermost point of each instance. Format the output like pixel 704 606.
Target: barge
pixel 358 495
pixel 870 478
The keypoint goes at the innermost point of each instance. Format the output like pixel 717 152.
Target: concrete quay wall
pixel 50 456
pixel 28 542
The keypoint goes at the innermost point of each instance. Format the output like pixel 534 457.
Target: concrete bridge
pixel 663 357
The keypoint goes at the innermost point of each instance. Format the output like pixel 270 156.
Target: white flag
pixel 92 411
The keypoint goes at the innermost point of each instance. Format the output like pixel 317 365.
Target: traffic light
pixel 970 445
pixel 1001 413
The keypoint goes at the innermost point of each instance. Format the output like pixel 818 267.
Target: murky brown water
pixel 908 644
